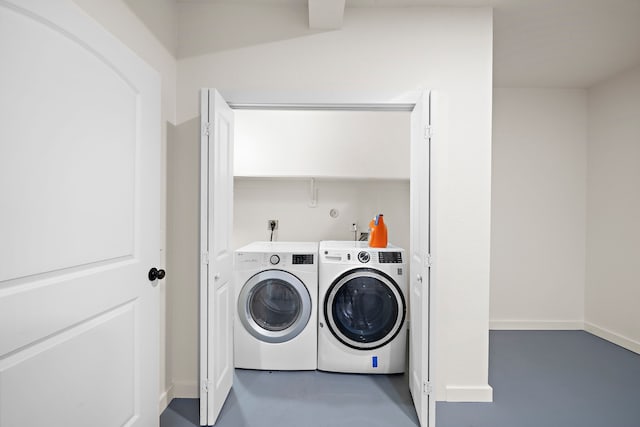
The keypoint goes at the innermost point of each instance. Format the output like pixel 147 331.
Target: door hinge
pixel 206 385
pixel 206 129
pixel 427 388
pixel 205 258
pixel 428 132
pixel 428 261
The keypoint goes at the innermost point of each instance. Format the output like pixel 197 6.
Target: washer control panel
pixel 390 257
pixel 274 259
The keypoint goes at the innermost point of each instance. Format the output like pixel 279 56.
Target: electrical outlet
pixel 272 224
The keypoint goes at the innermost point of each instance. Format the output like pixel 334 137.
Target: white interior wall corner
pixel 160 17
pixel 599 175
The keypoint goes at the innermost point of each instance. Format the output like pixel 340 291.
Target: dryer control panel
pixel 302 259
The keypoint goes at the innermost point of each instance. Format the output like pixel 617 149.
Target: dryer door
pixel 364 308
pixel 274 306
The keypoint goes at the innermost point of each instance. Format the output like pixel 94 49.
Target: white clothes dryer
pixel 275 326
pixel 362 308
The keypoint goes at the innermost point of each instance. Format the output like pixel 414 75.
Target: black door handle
pixel 154 274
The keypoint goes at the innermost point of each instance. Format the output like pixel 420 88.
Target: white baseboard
pixel 469 393
pixel 165 399
pixel 185 389
pixel 614 337
pixel 533 325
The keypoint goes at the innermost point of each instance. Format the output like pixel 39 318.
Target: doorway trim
pixel 347 101
pixel 322 107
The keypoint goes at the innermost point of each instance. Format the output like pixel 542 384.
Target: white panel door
pixel 216 225
pixel 79 221
pixel 419 367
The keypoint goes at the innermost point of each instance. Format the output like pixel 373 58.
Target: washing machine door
pixel 364 308
pixel 274 306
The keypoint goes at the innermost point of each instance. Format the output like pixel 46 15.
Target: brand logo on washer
pixel 247 258
pixel 364 257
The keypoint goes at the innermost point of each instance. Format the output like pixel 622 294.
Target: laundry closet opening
pixel 322 175
pixel 317 175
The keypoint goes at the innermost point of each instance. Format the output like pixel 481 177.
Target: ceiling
pixel 564 43
pixel 543 43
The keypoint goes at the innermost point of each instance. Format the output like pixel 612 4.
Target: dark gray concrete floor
pixel 553 379
pixel 539 378
pixel 305 399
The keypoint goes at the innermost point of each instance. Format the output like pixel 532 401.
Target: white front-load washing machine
pixel 275 326
pixel 362 308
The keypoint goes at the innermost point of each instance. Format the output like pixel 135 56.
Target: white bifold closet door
pixel 420 285
pixel 79 222
pixel 216 263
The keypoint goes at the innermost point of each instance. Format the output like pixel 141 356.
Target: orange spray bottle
pixel 378 233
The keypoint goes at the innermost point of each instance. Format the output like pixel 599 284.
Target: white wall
pixel 613 210
pixel 328 146
pixel 287 200
pixel 117 18
pixel 206 28
pixel 354 144
pixel 183 185
pixel 538 208
pixel 378 52
pixel 160 17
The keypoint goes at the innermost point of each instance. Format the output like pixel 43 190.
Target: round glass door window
pixel 274 306
pixel 364 309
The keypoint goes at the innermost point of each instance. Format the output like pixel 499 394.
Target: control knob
pixel 364 257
